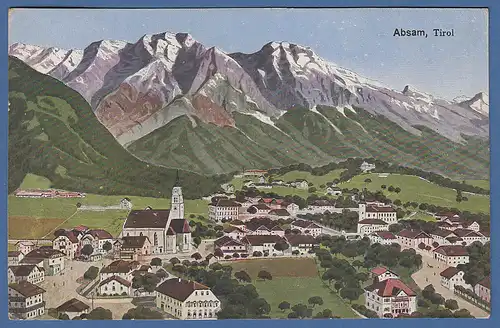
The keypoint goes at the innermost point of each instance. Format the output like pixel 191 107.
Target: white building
pixel 368 226
pixel 451 255
pixel 263 244
pixel 96 238
pixel 380 274
pixel 390 297
pixel 114 286
pixel 187 300
pixel 67 242
pixel 25 246
pixel 300 184
pixel 119 268
pixel 14 257
pixel 413 238
pixel 229 246
pixel 452 277
pixel 383 238
pixel 365 167
pixel 469 236
pixel 29 273
pixel 73 308
pixel 26 300
pixel 307 227
pixel 223 209
pixel 50 259
pixel 384 213
pixel 301 244
pixel 333 191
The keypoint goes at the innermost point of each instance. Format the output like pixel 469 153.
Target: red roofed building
pixel 451 255
pixel 383 237
pixel 380 274
pixel 451 277
pixel 390 298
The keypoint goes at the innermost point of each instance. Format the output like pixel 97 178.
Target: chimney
pixel 179 279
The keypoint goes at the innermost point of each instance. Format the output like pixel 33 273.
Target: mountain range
pixel 173 102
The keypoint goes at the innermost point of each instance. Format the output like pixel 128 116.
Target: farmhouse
pixel 333 191
pixel 67 242
pixel 301 244
pixel 229 245
pixel 300 184
pixel 263 244
pixel 368 226
pixel 483 289
pixel 307 227
pixel 468 236
pixel 383 237
pixel 280 213
pixel 187 300
pixel 114 286
pixel 365 167
pixel 234 232
pixel 413 238
pixel 445 237
pixel 25 246
pixel 451 255
pixel 259 209
pixel 96 238
pixel 50 259
pixel 223 209
pixel 29 273
pixel 73 308
pixel 133 247
pixel 14 257
pixel 390 298
pixel 26 300
pixel 168 231
pixel 451 277
pixel 119 268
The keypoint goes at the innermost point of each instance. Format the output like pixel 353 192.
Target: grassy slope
pixel 303 136
pixel 53 133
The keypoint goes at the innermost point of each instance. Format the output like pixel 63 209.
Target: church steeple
pixel 177 208
pixel 177 182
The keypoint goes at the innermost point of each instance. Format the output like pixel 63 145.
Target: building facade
pixel 390 298
pixel 223 209
pixel 26 300
pixel 451 277
pixel 30 273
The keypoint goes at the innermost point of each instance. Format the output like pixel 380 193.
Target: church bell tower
pixel 177 208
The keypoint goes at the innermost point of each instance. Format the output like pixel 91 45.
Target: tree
pixel 161 274
pixel 197 241
pixel 259 307
pixel 218 253
pixel 91 273
pixel 315 300
pixel 284 306
pixel 350 293
pixel 156 261
pixel 216 266
pixel 78 205
pixel 368 180
pixel 257 254
pixel 397 190
pixel 107 246
pixel 302 311
pixel 383 186
pixel 100 313
pixel 197 256
pixel 281 246
pixel 236 255
pixel 435 244
pixel 357 263
pixel 87 250
pixel 264 275
pixel 295 252
pixel 312 190
pixel 243 276
pixel 391 189
pixel 397 202
pixel 142 313
pixel 338 286
pixel 174 261
pixel 63 316
pixel 462 313
pixel 421 246
pixel 451 304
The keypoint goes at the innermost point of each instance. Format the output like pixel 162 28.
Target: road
pixel 426 276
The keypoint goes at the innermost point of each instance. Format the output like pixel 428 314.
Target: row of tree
pixel 346 221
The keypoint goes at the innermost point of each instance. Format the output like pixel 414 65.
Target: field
pixel 419 190
pixel 22 227
pixel 294 281
pixel 479 183
pixel 316 180
pixel 32 181
pixel 421 216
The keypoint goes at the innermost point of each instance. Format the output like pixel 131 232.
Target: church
pixel 166 229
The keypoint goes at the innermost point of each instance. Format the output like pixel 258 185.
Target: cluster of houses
pixel 49 193
pixel 262 237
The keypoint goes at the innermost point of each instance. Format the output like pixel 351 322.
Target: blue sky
pixel 359 39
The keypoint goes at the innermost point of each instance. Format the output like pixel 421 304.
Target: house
pixel 292 208
pixel 229 245
pixel 187 300
pixel 50 259
pixel 300 184
pixel 134 247
pixel 67 242
pixel 301 244
pixel 263 244
pixel 365 167
pixel 413 238
pixel 380 274
pixel 73 308
pixel 307 227
pixel 167 230
pixel 390 297
pixel 382 237
pixel 25 246
pixel 444 236
pixel 384 213
pixel 474 226
pixel 259 209
pixel 96 238
pixel 278 231
pixel 223 209
pixel 333 191
pixel 455 221
pixel 119 268
pixel 126 204
pixel 451 255
pixel 444 215
pixel 483 289
pixel 14 257
pixel 234 232
pixel 322 206
pixel 254 173
pixel 368 226
pixel 280 213
pixel 29 273
pixel 468 236
pixel 261 230
pixel 26 300
pixel 451 277
pixel 486 236
pixel 114 286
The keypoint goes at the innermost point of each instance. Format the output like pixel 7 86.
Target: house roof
pixel 116 278
pixel 379 270
pixel 466 233
pixel 232 229
pixel 390 287
pixel 23 270
pixel 81 228
pixel 445 214
pixel 100 233
pixel 444 224
pixel 265 200
pixel 13 253
pixel 134 241
pixel 237 223
pixel 296 240
pixel 226 203
pixel 305 224
pixel 372 221
pixel 279 212
pixel 180 226
pixel 44 252
pixel 262 228
pixel 179 289
pixel 222 241
pixel 72 235
pixel 31 260
pixel 485 233
pixel 170 231
pixel 120 266
pixel 454 239
pixel 452 250
pixel 449 272
pixel 147 219
pixel 73 305
pixel 384 234
pixel 26 242
pixel 257 240
pixel 413 234
pixel 380 209
pixel 485 282
pixel 27 289
pixel 261 206
pixel 442 233
pixel 277 228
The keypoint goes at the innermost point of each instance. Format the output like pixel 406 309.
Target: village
pixel 88 274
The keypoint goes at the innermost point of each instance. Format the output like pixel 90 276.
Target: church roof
pixel 180 226
pixel 170 232
pixel 147 219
